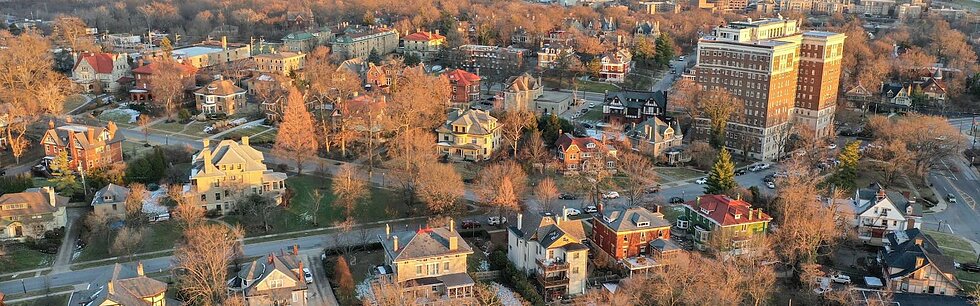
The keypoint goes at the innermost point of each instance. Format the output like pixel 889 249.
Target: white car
pixel 764 166
pixel 496 220
pixel 771 185
pixel 840 279
pixel 591 209
pixel 610 195
pixel 820 290
pixel 308 275
pixel 572 212
pixel 591 105
pixel 702 181
pixel 832 146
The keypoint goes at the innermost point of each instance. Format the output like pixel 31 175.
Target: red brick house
pixel 143 76
pixel 577 154
pixel 89 147
pixel 465 86
pixel 625 232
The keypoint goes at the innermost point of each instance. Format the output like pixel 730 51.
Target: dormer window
pixel 738 216
pixel 107 198
pixel 643 224
pixel 590 145
pixel 705 211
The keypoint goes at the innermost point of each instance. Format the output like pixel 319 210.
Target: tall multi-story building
pixel 228 170
pixel 758 62
pixel 485 60
pixel 208 53
pixel 88 147
pixel 280 62
pixel 552 248
pixel 423 44
pixel 819 81
pixel 358 42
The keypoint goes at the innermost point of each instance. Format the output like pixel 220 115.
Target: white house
pixel 551 249
pixel 878 212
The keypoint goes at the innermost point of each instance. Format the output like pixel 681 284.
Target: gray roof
pixel 664 245
pixel 547 230
pixel 653 129
pixel 426 242
pixel 636 99
pixel 623 219
pixel 115 192
pixel 478 122
pixel 903 252
pixel 870 194
pixel 456 280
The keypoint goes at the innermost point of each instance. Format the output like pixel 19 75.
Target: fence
pixel 486 275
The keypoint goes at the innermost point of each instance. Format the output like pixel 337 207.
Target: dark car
pixel 654 189
pixel 740 172
pixel 970 267
pixel 567 196
pixel 676 200
pixel 468 224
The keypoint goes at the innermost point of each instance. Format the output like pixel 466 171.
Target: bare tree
pixel 127 241
pixel 317 197
pixel 169 81
pixel 502 185
pixel 805 223
pixel 349 189
pixel 513 125
pixel 440 187
pixel 719 107
pixel 185 212
pixel 202 259
pixel 134 205
pixel 144 123
pixel 639 176
pixel 535 151
pixel 547 193
pixel 70 32
pixel 97 223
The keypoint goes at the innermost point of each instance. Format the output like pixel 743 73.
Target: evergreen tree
pixel 551 126
pixel 411 60
pixel 166 46
pixel 846 173
pixel 721 178
pixel 63 176
pixel 374 57
pixel 665 49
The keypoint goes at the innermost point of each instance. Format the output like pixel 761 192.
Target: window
pixel 575 270
pixel 418 270
pixel 446 266
pixel 217 196
pixel 275 283
pixel 204 197
pixel 113 206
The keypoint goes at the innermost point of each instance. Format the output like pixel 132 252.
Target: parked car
pixel 968 267
pixel 764 166
pixel 610 195
pixel 496 220
pixel 676 200
pixel 701 181
pixel 771 185
pixel 591 105
pixel 950 198
pixel 567 196
pixel 681 58
pixel 821 290
pixel 740 171
pixel 832 146
pixel 468 224
pixel 654 189
pixel 308 275
pixel 591 209
pixel 840 279
pixel 572 212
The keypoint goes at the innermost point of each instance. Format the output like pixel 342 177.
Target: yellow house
pixel 430 263
pixel 139 290
pixel 31 213
pixel 423 44
pixel 224 172
pixel 280 62
pixel 469 135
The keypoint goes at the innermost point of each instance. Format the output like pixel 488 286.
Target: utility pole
pixel 84 187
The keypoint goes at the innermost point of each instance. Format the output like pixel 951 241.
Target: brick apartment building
pixel 484 60
pixel 88 147
pixel 759 63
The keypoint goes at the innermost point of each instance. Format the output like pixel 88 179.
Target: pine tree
pixel 63 175
pixel 166 46
pixel 665 49
pixel 295 132
pixel 374 57
pixel 846 173
pixel 721 178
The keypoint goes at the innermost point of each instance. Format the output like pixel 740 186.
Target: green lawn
pixel 968 4
pixel 19 258
pixel 594 114
pixel 552 82
pixel 265 137
pixel 382 204
pixel 158 236
pixel 672 212
pixel 676 174
pixel 194 128
pixel 950 240
pixel 119 116
pixel 60 299
pixel 73 101
pixel 245 131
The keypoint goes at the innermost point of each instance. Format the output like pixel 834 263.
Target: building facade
pixel 655 137
pixel 358 42
pixel 430 264
pixel 283 63
pixel 220 97
pixel 425 45
pixel 583 154
pixel 878 212
pixel 306 41
pixel 143 80
pixel 551 249
pixel 723 224
pixel 483 60
pixel 274 280
pixel 615 66
pixel 208 53
pixel 913 262
pixel 111 201
pixel 88 147
pixel 101 72
pixel 31 213
pixel 468 135
pixel 465 87
pixel 521 92
pixel 125 287
pixel 224 172
pixel 631 106
pixel 819 82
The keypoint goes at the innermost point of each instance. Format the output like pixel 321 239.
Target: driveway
pixel 62 262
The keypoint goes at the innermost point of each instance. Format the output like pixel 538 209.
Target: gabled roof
pixel 220 88
pixel 115 192
pixel 103 63
pixel 547 229
pixel 423 36
pixel 523 82
pixel 462 77
pixel 906 247
pixel 280 55
pixel 858 90
pixel 637 99
pixel 227 152
pixel 625 219
pixel 722 210
pixel 124 287
pixel 37 200
pixel 87 137
pixel 866 198
pixel 260 269
pixel 478 122
pixel 566 140
pixel 424 243
pixel 653 129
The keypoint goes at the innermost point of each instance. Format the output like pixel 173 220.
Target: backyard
pixel 157 237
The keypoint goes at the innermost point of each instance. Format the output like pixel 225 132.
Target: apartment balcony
pixel 552 281
pixel 552 265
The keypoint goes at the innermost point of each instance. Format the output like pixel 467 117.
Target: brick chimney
pixel 110 288
pixel 520 219
pixel 224 42
pixel 295 249
pixel 49 191
pixel 139 268
pixel 394 242
pixel 302 276
pixel 452 226
pixel 270 257
pixel 245 140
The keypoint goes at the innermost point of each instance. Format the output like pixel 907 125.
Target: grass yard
pixel 73 102
pixel 58 299
pixel 20 258
pixel 676 174
pixel 949 240
pixel 552 82
pixel 133 149
pixel 382 204
pixel 594 114
pixel 158 236
pixel 265 137
pixel 672 212
pixel 967 4
pixel 245 131
pixel 119 116
pixel 194 128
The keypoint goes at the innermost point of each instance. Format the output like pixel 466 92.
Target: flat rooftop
pixel 196 50
pixel 819 33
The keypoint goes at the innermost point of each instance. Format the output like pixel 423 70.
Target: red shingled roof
pixel 723 209
pixel 566 140
pixel 101 62
pixel 462 77
pixel 423 36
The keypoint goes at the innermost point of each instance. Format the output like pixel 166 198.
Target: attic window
pixel 590 145
pixel 705 211
pixel 643 224
pixel 738 216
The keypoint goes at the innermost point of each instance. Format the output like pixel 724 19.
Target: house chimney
pixel 302 276
pixel 453 243
pixel 139 268
pixel 270 257
pixel 51 195
pixel 387 231
pixel 90 135
pixel 394 243
pixel 452 226
pixel 206 156
pixel 245 140
pixel 51 123
pixel 918 241
pixel 224 42
pixel 68 119
pixel 110 288
pixel 296 249
pixel 564 215
pixel 520 219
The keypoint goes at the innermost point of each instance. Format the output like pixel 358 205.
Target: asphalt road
pixel 961 217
